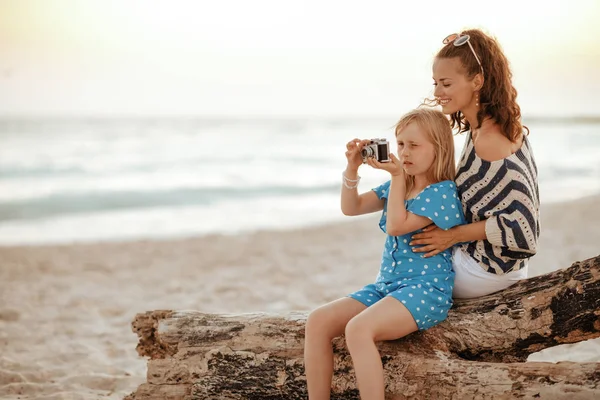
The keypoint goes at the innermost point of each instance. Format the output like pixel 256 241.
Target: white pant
pixel 472 281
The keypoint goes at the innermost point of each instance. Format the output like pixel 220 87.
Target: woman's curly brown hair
pixel 497 96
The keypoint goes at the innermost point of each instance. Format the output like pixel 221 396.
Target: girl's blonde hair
pixel 437 128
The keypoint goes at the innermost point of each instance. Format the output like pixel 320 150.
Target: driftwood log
pixel 479 352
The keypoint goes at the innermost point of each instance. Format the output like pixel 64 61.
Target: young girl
pixel 410 293
pixel 496 176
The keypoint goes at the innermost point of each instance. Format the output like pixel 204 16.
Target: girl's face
pixel 415 151
pixel 453 90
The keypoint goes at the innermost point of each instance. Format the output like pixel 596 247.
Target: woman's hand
pixel 353 155
pixel 394 167
pixel 432 240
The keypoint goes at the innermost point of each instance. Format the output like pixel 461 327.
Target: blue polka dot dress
pixel 423 285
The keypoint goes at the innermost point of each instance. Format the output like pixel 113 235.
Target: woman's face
pixel 453 90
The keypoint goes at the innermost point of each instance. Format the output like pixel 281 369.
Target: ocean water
pixel 73 180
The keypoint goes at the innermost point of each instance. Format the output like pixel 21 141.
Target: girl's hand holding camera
pixel 353 155
pixel 394 167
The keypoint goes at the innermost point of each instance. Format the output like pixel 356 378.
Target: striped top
pixel 505 194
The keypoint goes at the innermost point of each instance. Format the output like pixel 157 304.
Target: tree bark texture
pixel 479 352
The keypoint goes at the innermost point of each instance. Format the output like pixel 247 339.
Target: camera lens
pixel 367 152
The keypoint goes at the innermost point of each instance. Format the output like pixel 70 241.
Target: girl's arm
pixel 351 202
pixel 399 221
pixel 354 204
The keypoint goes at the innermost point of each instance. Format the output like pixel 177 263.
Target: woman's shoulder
pixel 494 146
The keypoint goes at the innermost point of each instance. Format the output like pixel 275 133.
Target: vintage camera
pixel 379 149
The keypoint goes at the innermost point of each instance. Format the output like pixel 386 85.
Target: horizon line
pixel 589 118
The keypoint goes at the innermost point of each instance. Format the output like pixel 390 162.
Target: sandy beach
pixel 65 311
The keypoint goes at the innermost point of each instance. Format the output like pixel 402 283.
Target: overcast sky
pixel 280 58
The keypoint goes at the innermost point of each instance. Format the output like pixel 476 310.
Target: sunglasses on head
pixel 459 40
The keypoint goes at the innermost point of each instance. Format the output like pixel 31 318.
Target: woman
pixel 496 175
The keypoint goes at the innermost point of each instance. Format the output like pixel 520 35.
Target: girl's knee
pixel 357 331
pixel 317 322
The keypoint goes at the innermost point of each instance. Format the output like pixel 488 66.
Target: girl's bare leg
pixel 324 324
pixel 387 319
